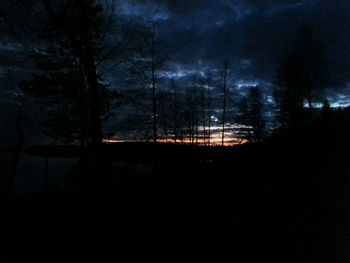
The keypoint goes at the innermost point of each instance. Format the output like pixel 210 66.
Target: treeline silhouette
pixel 278 200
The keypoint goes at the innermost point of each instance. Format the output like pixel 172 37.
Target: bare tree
pixel 174 91
pixel 203 110
pixel 224 75
pixel 148 62
pixel 154 80
pixel 208 82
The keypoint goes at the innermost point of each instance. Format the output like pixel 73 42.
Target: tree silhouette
pixel 190 115
pixel 326 109
pixel 150 58
pixel 68 79
pixel 175 110
pixel 251 115
pixel 19 126
pixel 165 114
pixel 300 79
pixel 209 95
pixel 224 74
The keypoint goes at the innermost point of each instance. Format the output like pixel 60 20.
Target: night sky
pixel 255 35
pixel 198 34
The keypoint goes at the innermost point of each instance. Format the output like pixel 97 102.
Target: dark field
pixel 269 202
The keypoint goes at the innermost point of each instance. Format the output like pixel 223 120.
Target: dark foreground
pixel 274 202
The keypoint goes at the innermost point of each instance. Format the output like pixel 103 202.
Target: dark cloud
pixel 256 34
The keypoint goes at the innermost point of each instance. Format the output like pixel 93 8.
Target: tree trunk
pixel 224 104
pixel 203 118
pixel 88 61
pixel 17 152
pixel 209 116
pixel 155 134
pixel 154 98
pixel 46 172
pixel 175 116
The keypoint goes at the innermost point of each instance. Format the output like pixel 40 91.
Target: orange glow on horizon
pixel 214 141
pixel 230 139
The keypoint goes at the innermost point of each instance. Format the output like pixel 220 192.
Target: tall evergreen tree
pixel 300 79
pixel 67 76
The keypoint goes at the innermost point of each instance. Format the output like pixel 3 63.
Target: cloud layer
pixel 255 34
